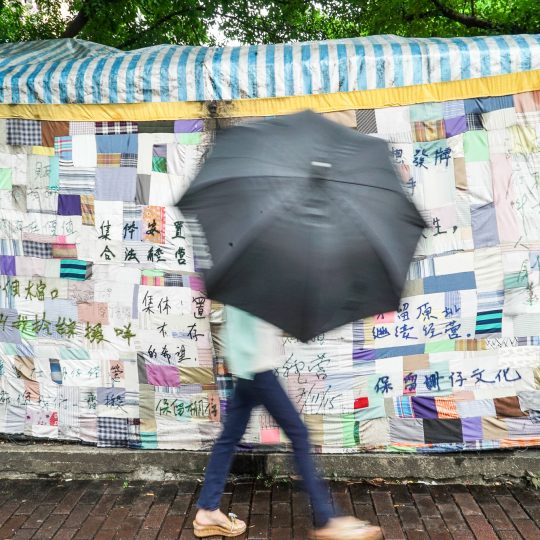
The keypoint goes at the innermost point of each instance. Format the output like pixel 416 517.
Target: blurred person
pixel 253 349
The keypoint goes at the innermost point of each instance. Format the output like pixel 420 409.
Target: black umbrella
pixel 306 223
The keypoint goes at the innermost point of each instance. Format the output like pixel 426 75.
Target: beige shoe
pixel 347 528
pixel 235 527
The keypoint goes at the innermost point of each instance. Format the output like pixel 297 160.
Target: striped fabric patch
pixel 75 269
pixel 489 322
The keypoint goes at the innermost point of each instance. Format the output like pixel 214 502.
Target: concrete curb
pixel 89 462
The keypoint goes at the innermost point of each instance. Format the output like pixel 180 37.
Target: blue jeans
pixel 265 390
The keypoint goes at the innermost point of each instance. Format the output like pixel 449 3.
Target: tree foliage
pixel 129 24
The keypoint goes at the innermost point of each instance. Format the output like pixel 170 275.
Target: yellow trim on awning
pixel 497 85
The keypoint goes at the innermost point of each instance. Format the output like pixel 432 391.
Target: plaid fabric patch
pixel 112 432
pixel 429 131
pixel 128 160
pixel 23 132
pixel 87 210
pixel 446 407
pixel 366 121
pixel 37 249
pixel 403 407
pixel 474 121
pixel 108 160
pixel 63 147
pixel 82 128
pixel 134 433
pixel 174 280
pixel 115 128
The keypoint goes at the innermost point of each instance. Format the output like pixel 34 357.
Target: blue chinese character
pixel 383 385
pixel 380 332
pixel 432 381
pixel 404 332
pixel 451 329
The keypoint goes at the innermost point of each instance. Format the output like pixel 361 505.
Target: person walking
pixel 253 348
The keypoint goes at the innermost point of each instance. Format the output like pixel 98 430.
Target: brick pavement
pixel 103 510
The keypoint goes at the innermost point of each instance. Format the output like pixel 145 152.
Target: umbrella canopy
pixel 306 223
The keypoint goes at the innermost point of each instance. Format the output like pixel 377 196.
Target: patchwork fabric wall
pixel 106 334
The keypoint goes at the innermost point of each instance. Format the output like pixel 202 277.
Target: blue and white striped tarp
pixel 74 71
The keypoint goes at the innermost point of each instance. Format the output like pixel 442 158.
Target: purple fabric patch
pixel 424 407
pixel 69 205
pixel 455 126
pixel 472 428
pixel 188 126
pixel 163 375
pixel 7 265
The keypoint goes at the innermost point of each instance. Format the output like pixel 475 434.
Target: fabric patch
pixel 82 128
pixel 475 146
pixel 453 109
pixel 50 130
pixel 87 209
pixel 75 269
pixel 429 131
pixel 366 121
pixel 109 160
pixel 472 429
pixel 56 370
pixel 446 407
pixel 7 265
pixel 69 205
pixel 112 432
pixel 128 160
pixel 489 322
pixel 188 126
pixel 159 158
pixel 189 138
pixel 425 112
pixel 494 429
pixel 115 128
pixel 116 184
pixel 508 407
pixel 488 104
pixel 154 224
pixel 424 407
pixel 158 126
pixel 5 179
pixel 406 430
pixel 63 148
pixel 64 251
pixel 455 126
pixel 443 431
pixel 484 225
pixel 23 132
pixel 474 121
pixel 163 375
pixel 117 144
pixel 37 249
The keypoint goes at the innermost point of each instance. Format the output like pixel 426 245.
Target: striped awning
pixel 75 71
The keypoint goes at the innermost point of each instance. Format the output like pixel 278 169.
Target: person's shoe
pixel 347 528
pixel 223 526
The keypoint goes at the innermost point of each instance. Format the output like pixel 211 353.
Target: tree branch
pixel 76 24
pixel 474 22
pixel 158 22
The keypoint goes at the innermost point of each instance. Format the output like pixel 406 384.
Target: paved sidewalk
pixel 101 510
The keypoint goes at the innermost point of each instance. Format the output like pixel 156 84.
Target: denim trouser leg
pixel 265 390
pixel 220 462
pixel 279 405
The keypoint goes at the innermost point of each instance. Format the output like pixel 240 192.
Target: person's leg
pixel 220 461
pixel 271 394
